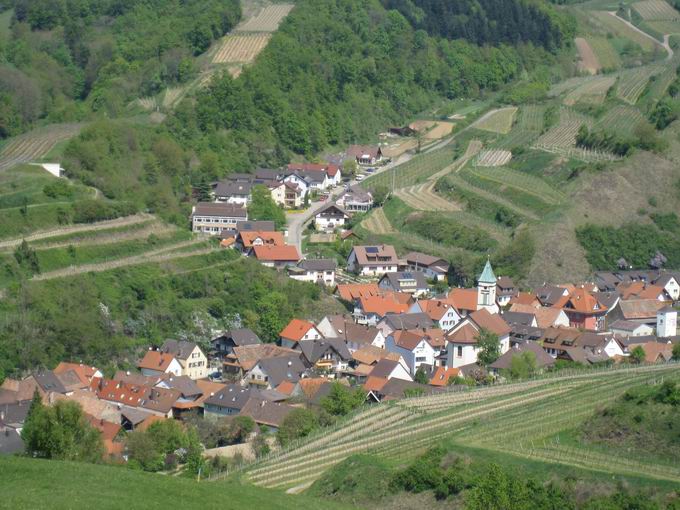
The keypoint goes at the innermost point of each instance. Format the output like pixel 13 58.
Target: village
pixel 405 333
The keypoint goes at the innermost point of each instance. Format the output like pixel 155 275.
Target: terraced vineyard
pixel 378 223
pixel 656 10
pixel 561 139
pixel 621 119
pixel 414 171
pixel 423 198
pixel 592 91
pixel 267 20
pixel 610 23
pixel 606 54
pixel 493 158
pixel 241 48
pixel 528 126
pixel 520 419
pixel 632 82
pixel 497 121
pixel 521 181
pixel 35 144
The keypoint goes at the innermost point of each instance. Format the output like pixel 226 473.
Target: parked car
pixel 370 170
pixel 359 177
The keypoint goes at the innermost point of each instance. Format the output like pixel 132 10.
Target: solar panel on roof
pixel 371 249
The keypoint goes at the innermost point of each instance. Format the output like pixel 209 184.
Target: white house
pixel 670 284
pixel 373 260
pixel 212 218
pixel 330 217
pixel 356 199
pixel 410 282
pixel 434 268
pixel 233 192
pixel 190 356
pixel 314 271
pixel 462 348
pixel 414 347
pixel 390 369
pixel 365 154
pixel 355 335
pixel 333 173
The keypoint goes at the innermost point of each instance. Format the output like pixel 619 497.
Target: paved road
pixel 666 37
pixel 296 221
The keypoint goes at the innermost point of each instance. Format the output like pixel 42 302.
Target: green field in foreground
pixel 37 484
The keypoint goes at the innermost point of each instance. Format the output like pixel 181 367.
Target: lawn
pixel 42 484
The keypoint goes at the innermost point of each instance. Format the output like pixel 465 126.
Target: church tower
pixel 486 290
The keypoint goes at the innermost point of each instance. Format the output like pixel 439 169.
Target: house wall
pixel 213 225
pixel 640 330
pixel 325 277
pixel 613 349
pixel 673 289
pixel 422 353
pixel 458 355
pixel 174 368
pixel 196 365
pixel 328 222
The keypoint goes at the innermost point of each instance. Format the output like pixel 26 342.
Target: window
pixel 420 359
pixel 460 351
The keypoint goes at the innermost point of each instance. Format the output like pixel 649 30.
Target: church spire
pixel 487 275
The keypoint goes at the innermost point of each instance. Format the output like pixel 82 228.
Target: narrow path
pixel 666 37
pixel 84 227
pixel 159 255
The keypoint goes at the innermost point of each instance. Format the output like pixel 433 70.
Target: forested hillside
pixel 62 59
pixel 489 21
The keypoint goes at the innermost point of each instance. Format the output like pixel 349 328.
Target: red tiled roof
pixel 286 387
pixel 490 321
pixel 466 334
pixel 463 299
pixel 156 360
pixel 268 238
pixel 277 253
pixel 382 305
pixel 352 291
pixel 525 298
pixel 374 383
pixel 434 308
pixel 84 372
pixel 442 375
pixel 581 301
pixel 296 329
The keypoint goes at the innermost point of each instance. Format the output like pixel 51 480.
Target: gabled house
pixel 333 173
pixel 84 373
pixel 584 310
pixel 505 290
pixel 298 330
pixel 545 317
pixel 267 413
pixel 225 343
pixel 269 373
pixel 373 260
pixel 365 154
pixel 228 401
pixel 213 218
pixel 583 347
pixel 630 328
pixel 315 271
pixel 328 355
pixel 462 348
pixel 276 256
pixel 409 282
pixel 356 199
pixel 233 192
pixel 371 309
pixel 190 356
pixel 156 363
pixel 294 194
pixel 395 321
pixel 542 359
pixel 414 346
pixel 356 336
pixel 442 313
pixel 245 357
pixel 389 369
pixel 434 268
pixel 330 217
pixel 463 300
pixel 247 240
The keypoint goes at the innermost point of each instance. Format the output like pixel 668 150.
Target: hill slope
pixel 38 484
